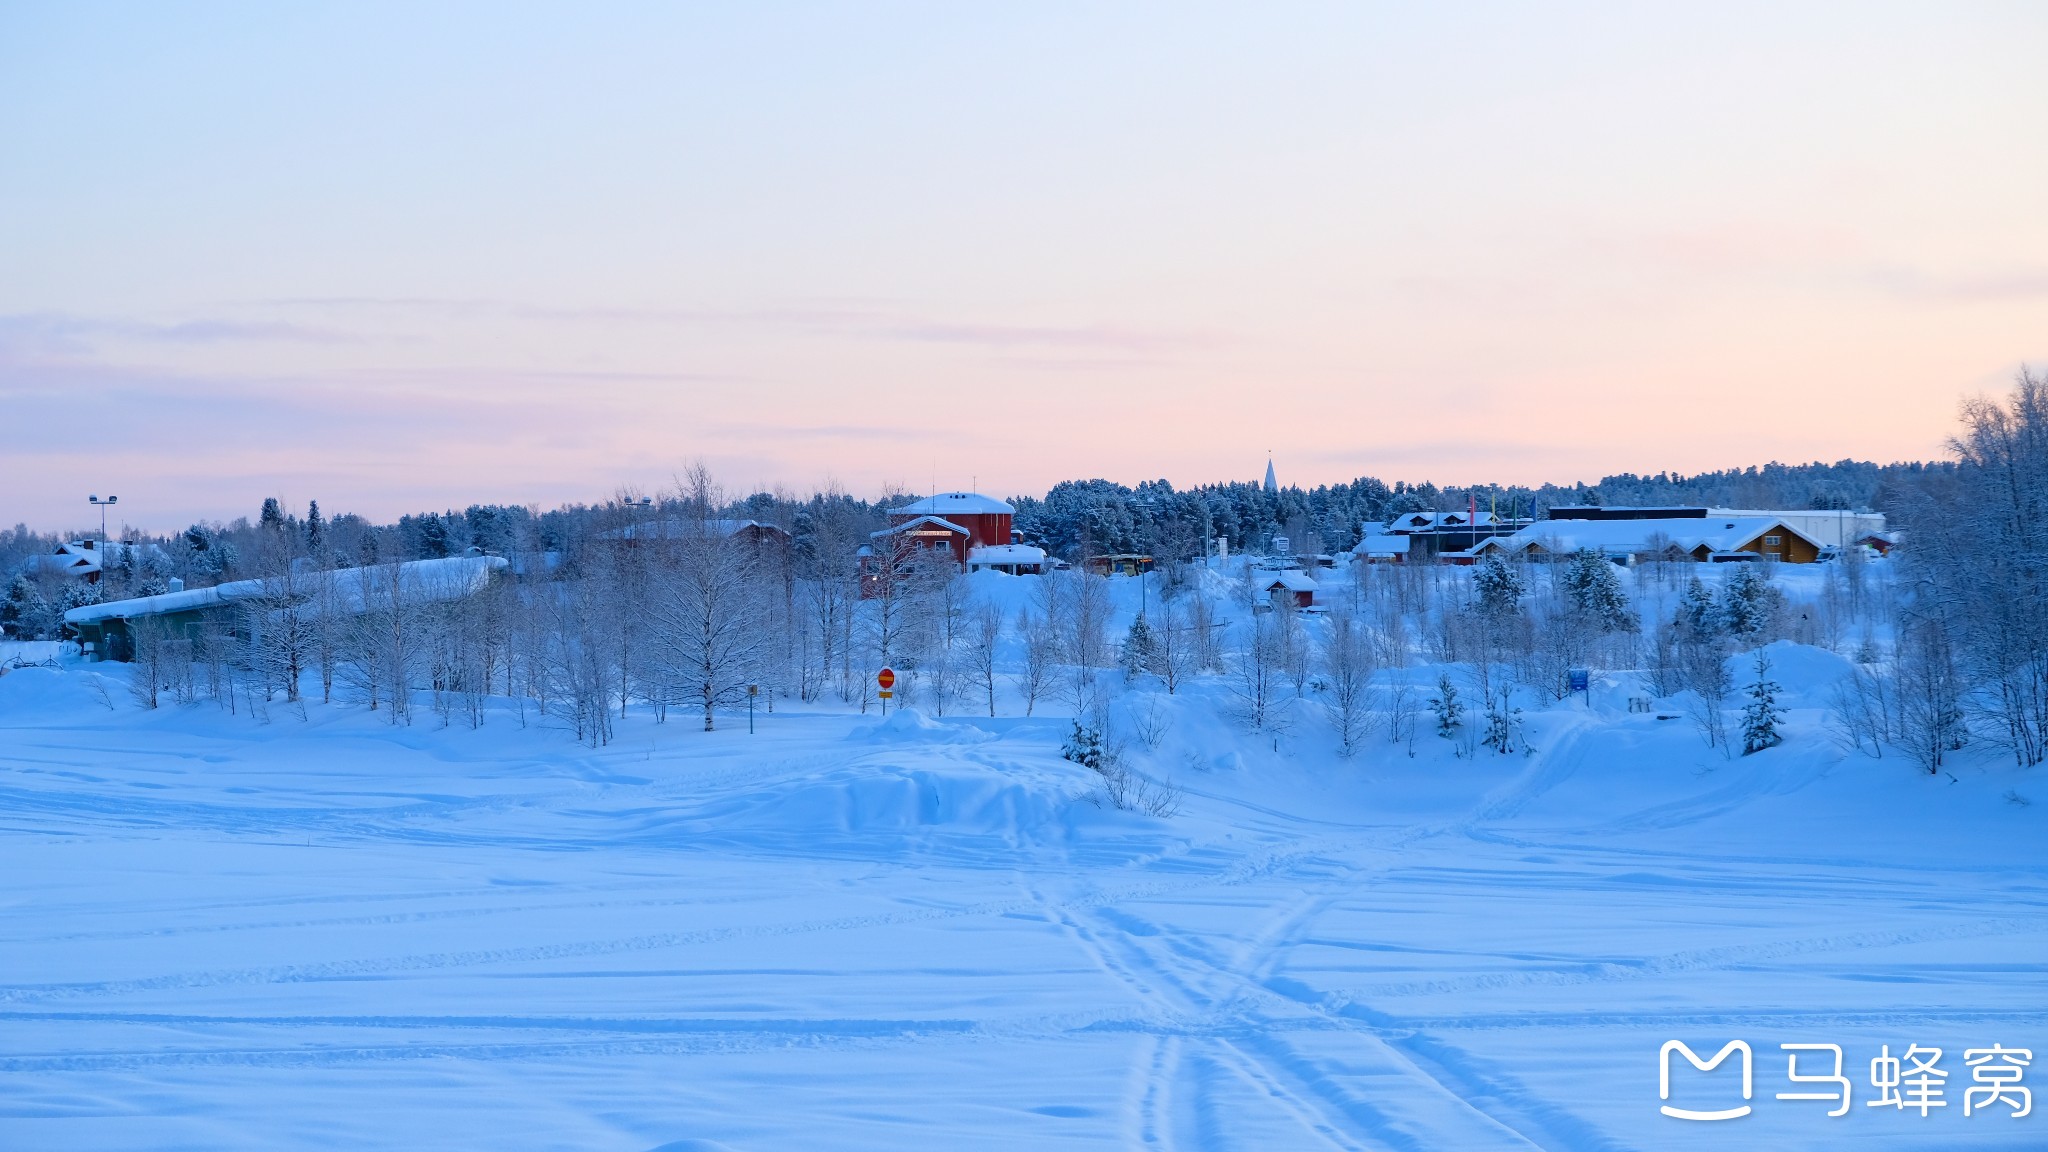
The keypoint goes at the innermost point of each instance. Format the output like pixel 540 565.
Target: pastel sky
pixel 406 256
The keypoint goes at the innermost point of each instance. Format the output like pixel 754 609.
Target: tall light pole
pixel 103 505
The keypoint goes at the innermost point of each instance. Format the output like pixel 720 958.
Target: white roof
pixel 1293 579
pixel 955 504
pixel 907 525
pixel 1005 554
pixel 435 579
pixel 1423 521
pixel 1717 533
pixel 85 557
pixel 1375 545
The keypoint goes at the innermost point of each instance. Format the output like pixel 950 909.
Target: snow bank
pixel 888 797
pixel 910 726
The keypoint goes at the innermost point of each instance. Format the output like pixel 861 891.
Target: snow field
pixel 918 932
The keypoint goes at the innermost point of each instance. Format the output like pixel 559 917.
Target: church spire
pixel 1272 485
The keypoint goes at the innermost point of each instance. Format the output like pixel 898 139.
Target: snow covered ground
pixel 843 932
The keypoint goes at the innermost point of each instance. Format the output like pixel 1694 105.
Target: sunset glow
pixel 390 259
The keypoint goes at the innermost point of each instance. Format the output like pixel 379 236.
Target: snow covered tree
pixel 1697 613
pixel 987 639
pixel 1497 587
pixel 1594 589
pixel 1704 670
pixel 272 518
pixel 27 615
pixel 1041 654
pixel 1930 690
pixel 1173 647
pixel 281 625
pixel 1347 668
pixel 81 593
pixel 153 573
pixel 1139 649
pixel 1449 710
pixel 209 556
pixel 1256 669
pixel 431 534
pixel 707 608
pixel 1761 715
pixel 1749 602
pixel 386 642
pixel 1086 642
pixel 1979 553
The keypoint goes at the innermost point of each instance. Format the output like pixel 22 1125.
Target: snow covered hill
pixel 924 932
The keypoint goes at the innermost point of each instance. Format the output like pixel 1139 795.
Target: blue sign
pixel 1579 678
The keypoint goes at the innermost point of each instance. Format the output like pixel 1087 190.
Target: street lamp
pixel 103 505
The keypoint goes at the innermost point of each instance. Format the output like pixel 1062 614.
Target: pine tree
pixel 434 541
pixel 273 515
pixel 1139 649
pixel 1594 588
pixel 80 594
pixel 1761 715
pixel 1498 587
pixel 1450 712
pixel 316 530
pixel 1748 602
pixel 1084 747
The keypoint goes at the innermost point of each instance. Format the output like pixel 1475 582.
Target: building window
pixel 1773 541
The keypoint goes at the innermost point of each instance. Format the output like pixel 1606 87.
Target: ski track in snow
pixel 929 939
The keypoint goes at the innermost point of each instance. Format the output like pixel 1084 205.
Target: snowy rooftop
pixel 1294 580
pixel 1377 545
pixel 955 504
pixel 1718 534
pixel 1424 521
pixel 1006 554
pixel 449 576
pixel 935 521
pixel 84 557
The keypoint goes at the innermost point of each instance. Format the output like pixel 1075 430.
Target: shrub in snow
pixel 1503 721
pixel 1084 746
pixel 1761 715
pixel 81 593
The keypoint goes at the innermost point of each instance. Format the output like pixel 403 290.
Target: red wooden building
pixel 957 521
pixel 967 529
